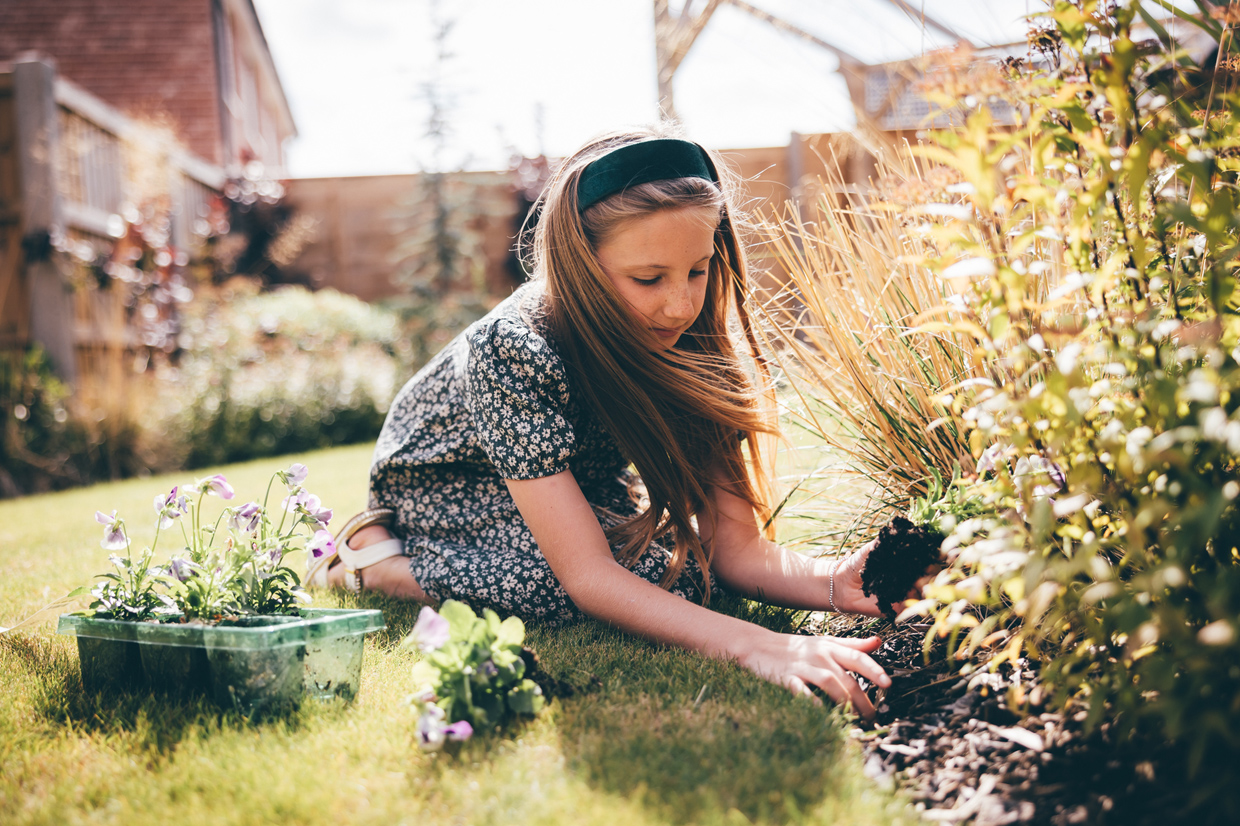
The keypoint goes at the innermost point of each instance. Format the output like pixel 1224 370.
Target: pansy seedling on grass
pixel 472 674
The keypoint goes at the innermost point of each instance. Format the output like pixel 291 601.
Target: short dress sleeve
pixel 517 392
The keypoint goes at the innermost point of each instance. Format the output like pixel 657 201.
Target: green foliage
pixel 45 444
pixel 259 374
pixel 1093 252
pixel 473 666
pixel 944 504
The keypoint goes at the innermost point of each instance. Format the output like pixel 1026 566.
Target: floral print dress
pixel 497 403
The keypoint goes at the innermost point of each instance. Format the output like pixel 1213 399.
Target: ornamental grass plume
pixel 844 322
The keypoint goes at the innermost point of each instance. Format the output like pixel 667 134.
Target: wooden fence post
pixel 51 299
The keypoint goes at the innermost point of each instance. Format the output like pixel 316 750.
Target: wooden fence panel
pixel 64 183
pixel 90 170
pixel 14 300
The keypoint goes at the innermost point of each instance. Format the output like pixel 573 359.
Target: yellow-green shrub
pixel 1096 270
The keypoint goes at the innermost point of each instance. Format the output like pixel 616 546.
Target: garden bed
pixel 953 745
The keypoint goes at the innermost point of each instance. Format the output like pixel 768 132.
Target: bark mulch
pixel 953 746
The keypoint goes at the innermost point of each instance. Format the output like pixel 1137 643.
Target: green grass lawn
pixel 654 735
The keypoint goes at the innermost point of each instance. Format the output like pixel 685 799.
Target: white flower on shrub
pixel 1202 387
pixel 1137 440
pixel 1216 427
pixel 1066 359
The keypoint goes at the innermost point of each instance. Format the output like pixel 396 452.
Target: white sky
pixel 352 70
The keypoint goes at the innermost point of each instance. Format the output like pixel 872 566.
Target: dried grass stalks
pixel 842 323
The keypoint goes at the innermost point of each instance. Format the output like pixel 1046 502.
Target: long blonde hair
pixel 678 415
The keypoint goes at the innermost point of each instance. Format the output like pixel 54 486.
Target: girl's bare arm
pixel 570 537
pixel 751 564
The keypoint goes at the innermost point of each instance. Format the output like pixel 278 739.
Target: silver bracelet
pixel 831 586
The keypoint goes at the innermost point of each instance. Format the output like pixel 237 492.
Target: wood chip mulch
pixel 951 745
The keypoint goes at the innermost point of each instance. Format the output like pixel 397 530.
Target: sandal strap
pixel 368 517
pixel 316 573
pixel 355 558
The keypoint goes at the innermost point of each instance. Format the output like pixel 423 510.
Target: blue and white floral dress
pixel 497 403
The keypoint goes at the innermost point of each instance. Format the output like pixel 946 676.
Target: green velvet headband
pixel 641 163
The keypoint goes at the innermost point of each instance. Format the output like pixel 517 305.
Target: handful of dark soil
pixel 903 554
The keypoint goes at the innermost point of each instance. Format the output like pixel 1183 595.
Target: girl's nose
pixel 679 306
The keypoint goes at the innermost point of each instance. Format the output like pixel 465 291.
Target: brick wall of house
pixel 146 57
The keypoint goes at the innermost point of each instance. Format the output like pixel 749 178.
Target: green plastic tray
pixel 255 664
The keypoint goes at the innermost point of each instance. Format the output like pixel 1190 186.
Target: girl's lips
pixel 662 333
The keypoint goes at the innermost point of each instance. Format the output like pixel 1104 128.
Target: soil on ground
pixel 955 747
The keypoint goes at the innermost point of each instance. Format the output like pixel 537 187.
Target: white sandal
pixel 355 559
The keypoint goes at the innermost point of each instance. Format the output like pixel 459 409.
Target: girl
pixel 501 475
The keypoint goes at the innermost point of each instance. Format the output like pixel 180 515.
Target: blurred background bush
pixel 264 374
pixel 257 374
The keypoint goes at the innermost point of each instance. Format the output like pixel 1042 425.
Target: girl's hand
pixel 797 662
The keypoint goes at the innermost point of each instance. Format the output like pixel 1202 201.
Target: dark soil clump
pixel 552 686
pixel 903 554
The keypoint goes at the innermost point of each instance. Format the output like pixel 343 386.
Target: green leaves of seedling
pixel 474 672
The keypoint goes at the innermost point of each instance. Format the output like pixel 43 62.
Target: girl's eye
pixel 696 273
pixel 647 282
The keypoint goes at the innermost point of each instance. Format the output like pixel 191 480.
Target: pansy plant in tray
pixel 231 566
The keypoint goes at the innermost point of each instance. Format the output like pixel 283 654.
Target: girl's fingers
pixel 798 687
pixel 829 663
pixel 843 689
pixel 859 663
pixel 837 685
pixel 867 644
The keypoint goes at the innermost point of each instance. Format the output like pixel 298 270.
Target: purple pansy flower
pixel 308 504
pixel 216 485
pixel 990 458
pixel 315 509
pixel 169 506
pixel 431 728
pixel 245 518
pixel 295 475
pixel 460 730
pixel 114 538
pixel 1053 470
pixel 180 569
pixel 321 544
pixel 431 630
pixel 1035 467
pixel 265 564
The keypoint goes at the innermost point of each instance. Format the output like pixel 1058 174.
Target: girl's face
pixel 659 264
